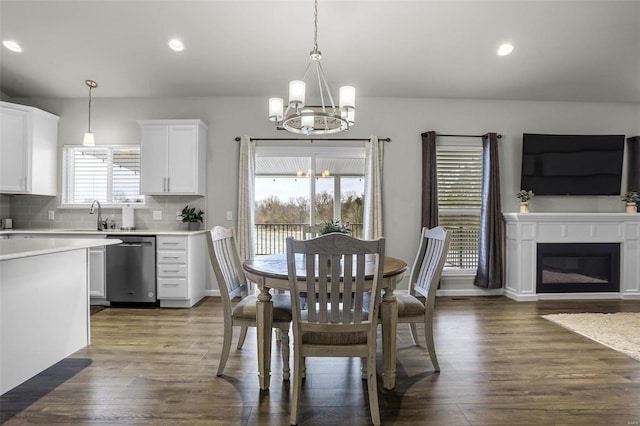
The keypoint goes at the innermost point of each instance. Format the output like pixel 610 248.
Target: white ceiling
pixel 564 50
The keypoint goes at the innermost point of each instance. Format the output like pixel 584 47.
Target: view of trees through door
pixel 290 195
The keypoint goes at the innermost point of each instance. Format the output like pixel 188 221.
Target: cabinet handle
pixel 165 243
pixel 171 284
pixel 26 186
pixel 164 184
pixel 170 257
pixel 170 270
pixel 168 184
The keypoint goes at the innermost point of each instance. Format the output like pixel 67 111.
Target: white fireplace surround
pixel 526 230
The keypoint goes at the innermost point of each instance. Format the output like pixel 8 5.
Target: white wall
pixel 403 120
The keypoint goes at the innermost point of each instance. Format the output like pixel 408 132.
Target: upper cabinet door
pixel 13 151
pixel 28 150
pixel 154 159
pixel 173 157
pixel 183 159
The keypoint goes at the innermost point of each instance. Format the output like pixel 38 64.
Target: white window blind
pixel 109 174
pixel 459 202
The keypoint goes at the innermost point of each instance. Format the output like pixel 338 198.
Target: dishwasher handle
pixel 144 243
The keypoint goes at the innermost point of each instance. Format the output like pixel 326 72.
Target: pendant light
pixel 88 137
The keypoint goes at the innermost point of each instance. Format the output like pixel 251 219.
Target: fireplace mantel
pixel 526 230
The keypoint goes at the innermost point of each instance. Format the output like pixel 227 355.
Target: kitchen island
pixel 44 304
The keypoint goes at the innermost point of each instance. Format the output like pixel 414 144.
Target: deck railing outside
pixel 463 249
pixel 270 237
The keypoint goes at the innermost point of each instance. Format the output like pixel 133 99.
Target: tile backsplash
pixel 32 212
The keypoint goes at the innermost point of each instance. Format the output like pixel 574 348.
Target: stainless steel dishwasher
pixel 131 270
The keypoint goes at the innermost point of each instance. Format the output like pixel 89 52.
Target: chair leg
pixel 226 346
pixel 428 335
pixel 243 335
pixel 363 371
pixel 372 388
pixel 298 366
pixel 414 333
pixel 286 371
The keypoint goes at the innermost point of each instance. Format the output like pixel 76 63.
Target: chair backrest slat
pixel 428 265
pixel 344 268
pixel 226 264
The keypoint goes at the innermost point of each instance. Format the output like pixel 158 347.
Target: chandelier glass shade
pixel 88 137
pixel 324 119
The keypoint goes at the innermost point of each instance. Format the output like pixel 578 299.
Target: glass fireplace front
pixel 578 267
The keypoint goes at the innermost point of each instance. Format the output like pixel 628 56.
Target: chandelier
pixel 323 119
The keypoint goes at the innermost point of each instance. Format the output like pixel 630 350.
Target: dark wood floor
pixel 501 365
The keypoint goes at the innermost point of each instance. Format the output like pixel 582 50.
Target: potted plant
pixel 334 226
pixel 192 217
pixel 631 198
pixel 524 196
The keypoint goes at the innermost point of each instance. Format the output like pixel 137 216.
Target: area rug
pixel 619 331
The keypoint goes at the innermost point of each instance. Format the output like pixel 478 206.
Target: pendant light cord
pixel 89 130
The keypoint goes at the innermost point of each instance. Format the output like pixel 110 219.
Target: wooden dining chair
pixel 232 282
pixel 337 321
pixel 419 303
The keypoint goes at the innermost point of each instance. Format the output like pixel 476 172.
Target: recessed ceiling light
pixel 12 45
pixel 176 45
pixel 505 49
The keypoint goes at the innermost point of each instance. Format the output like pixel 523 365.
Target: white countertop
pixel 27 247
pixel 96 232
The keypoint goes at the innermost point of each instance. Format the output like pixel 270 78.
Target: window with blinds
pixel 459 202
pixel 109 174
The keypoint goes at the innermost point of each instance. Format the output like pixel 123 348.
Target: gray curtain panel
pixel 491 246
pixel 429 180
pixel 633 174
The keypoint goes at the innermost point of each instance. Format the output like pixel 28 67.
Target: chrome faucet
pixel 92 210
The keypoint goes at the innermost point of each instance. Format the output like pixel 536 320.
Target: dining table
pixel 269 272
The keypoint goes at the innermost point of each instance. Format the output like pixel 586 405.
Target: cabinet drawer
pixel 172 288
pixel 172 270
pixel 172 257
pixel 171 243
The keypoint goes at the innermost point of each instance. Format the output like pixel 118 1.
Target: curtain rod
pixel 464 136
pixel 237 139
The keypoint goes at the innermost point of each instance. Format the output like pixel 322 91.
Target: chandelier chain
pixel 315 31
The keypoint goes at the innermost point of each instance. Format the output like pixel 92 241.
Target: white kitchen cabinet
pixel 173 157
pixel 181 269
pixel 28 150
pixel 97 272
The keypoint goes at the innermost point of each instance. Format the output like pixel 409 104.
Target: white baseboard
pixel 568 296
pixel 502 292
pixel 520 297
pixel 464 292
pixel 578 296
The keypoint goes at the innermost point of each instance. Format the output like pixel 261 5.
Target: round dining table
pixel 270 272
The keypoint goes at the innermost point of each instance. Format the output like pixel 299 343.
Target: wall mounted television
pixel 572 164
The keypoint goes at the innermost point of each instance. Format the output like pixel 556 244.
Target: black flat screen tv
pixel 572 164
